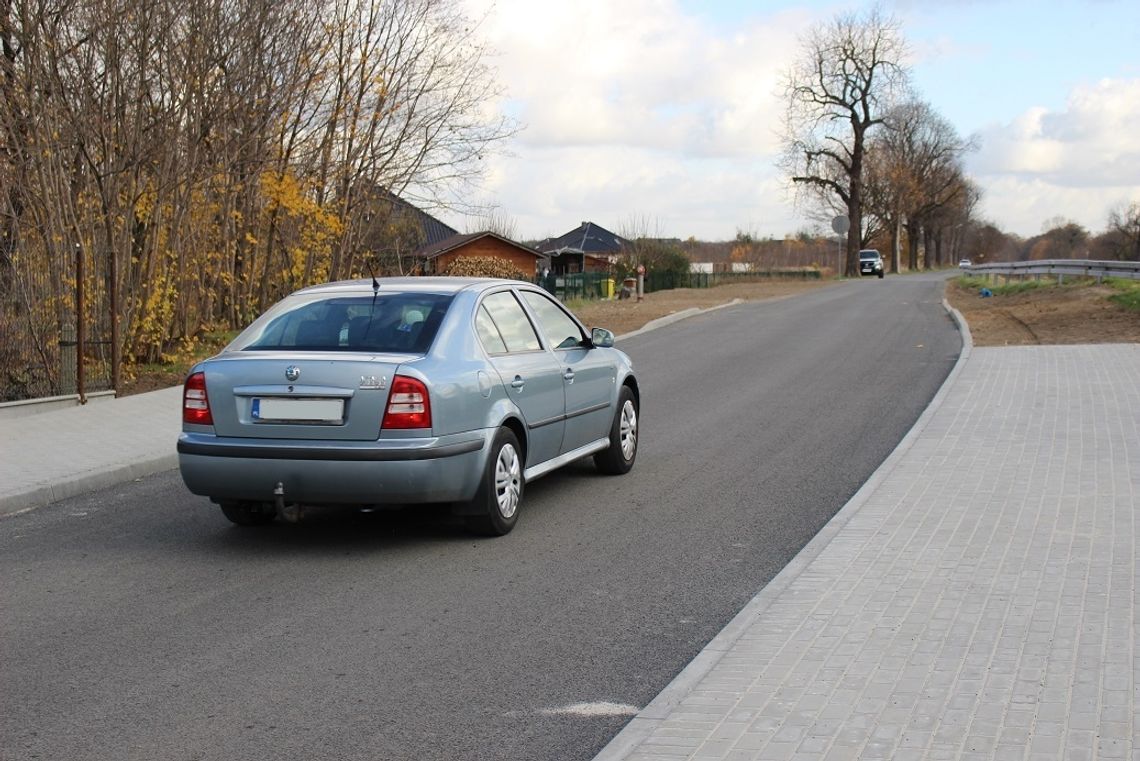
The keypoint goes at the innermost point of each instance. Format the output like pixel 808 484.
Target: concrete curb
pixel 669 319
pixel 642 725
pixel 83 483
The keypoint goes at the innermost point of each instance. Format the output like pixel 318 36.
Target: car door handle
pixel 568 375
pixel 518 383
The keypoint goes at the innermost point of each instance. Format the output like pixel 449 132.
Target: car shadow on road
pixel 322 530
pixel 325 530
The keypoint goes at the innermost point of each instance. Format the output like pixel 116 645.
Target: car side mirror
pixel 602 338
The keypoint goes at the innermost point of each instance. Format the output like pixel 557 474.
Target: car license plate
pixel 297 410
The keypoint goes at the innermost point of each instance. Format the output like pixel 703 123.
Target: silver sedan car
pixel 404 391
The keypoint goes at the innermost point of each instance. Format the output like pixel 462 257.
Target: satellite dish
pixel 841 225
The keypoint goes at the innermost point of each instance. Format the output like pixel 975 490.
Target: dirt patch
pixel 626 315
pixel 1070 314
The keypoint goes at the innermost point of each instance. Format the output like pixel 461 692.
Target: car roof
pixel 411 284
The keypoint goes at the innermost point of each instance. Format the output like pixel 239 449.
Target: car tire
pixel 618 457
pixel 495 508
pixel 248 513
pixel 880 275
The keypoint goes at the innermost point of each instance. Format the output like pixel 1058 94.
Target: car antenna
pixel 375 293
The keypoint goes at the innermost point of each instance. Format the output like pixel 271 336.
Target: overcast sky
pixel 666 113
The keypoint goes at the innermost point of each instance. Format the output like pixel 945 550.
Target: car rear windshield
pixel 388 322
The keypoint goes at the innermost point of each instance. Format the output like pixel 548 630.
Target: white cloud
pixel 550 190
pixel 1075 163
pixel 637 109
pixel 640 73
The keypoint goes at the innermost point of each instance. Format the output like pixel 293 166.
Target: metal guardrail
pixel 1061 268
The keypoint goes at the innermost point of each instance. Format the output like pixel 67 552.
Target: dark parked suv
pixel 870 263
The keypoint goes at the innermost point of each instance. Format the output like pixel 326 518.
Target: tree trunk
pixel 912 232
pixel 855 200
pixel 895 235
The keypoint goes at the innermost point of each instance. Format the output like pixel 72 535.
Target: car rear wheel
pixel 248 513
pixel 495 509
pixel 618 457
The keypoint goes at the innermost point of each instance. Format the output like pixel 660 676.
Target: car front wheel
pixel 618 457
pixel 495 509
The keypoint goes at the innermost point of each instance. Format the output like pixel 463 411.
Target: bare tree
pixel 987 243
pixel 210 156
pixel 837 91
pixel 498 222
pixel 1064 239
pixel 406 111
pixel 915 179
pixel 946 223
pixel 1123 234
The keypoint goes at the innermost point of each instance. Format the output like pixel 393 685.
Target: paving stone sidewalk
pixel 57 454
pixel 976 600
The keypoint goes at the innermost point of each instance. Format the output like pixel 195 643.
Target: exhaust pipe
pixel 290 513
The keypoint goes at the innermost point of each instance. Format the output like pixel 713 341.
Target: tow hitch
pixel 291 512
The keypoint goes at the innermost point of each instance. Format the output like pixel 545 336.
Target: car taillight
pixel 195 404
pixel 408 404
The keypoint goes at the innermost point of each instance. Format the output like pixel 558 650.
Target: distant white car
pixel 963 264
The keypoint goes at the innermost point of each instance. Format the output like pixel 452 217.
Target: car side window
pixel 513 324
pixel 488 333
pixel 560 329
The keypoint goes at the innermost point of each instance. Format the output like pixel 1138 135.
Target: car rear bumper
pixel 398 471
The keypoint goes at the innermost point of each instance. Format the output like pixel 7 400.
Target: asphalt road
pixel 136 623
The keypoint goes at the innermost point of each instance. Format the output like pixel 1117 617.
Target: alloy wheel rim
pixel 508 481
pixel 628 430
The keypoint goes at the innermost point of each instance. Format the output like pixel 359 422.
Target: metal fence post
pixel 116 349
pixel 80 328
pixel 67 356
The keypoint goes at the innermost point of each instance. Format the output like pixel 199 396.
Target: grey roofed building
pixel 574 251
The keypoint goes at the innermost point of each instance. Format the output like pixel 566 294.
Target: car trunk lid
pixel 315 395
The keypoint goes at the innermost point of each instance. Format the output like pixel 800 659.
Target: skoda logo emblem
pixel 292 373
